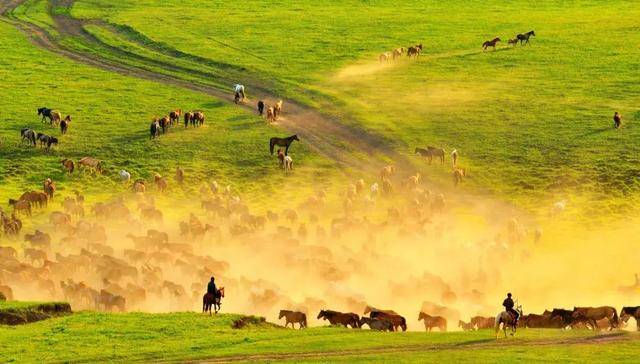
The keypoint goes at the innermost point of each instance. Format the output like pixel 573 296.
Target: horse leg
pixel 286 150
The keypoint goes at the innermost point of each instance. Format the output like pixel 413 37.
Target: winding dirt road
pixel 324 135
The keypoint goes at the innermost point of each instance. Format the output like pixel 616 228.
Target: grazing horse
pixel 64 124
pixel 277 110
pixel 91 163
pixel 68 165
pixel 260 107
pixel 507 320
pixel 154 129
pixel 46 113
pixel 592 314
pixel 524 38
pixel 198 118
pixel 628 312
pixel 209 300
pixel 513 41
pixel 384 57
pixel 28 135
pixel 431 152
pixel 339 318
pixel 271 115
pixel 282 142
pixel 293 317
pixel 433 321
pixel 164 123
pixel 490 43
pixel 174 116
pixel 188 118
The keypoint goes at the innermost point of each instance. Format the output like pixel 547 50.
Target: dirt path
pixel 323 134
pixel 468 345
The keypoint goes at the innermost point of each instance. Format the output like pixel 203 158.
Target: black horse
pixel 154 130
pixel 524 38
pixel 282 142
pixel 46 113
pixel 260 107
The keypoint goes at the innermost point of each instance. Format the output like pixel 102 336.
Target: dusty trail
pixel 469 345
pixel 323 134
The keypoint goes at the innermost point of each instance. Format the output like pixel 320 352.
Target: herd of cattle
pixel 594 318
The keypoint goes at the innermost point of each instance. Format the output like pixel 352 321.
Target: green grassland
pixel 531 123
pixel 111 116
pixel 92 337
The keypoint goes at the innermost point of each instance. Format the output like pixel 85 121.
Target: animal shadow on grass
pixel 474 342
pixel 596 131
pixel 212 104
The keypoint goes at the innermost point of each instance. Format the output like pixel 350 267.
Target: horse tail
pixel 403 324
pixel 497 324
pixel 304 320
pixel 271 144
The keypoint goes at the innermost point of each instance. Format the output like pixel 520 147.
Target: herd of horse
pixel 594 318
pixel 193 118
pixel 32 137
pixel 519 38
pixel 411 52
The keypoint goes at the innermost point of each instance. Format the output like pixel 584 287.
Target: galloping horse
pixel 282 142
pixel 490 43
pixel 209 300
pixel 524 38
pixel 339 318
pixel 507 320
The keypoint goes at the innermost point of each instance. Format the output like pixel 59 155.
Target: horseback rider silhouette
pixel 509 305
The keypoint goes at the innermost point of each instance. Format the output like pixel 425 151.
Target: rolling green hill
pixel 91 337
pixel 531 123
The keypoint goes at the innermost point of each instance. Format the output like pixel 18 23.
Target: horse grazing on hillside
pixel 64 124
pixel 282 142
pixel 524 38
pixel 431 152
pixel 28 135
pixel 198 118
pixel 339 318
pixel 174 116
pixel 208 300
pixel 507 320
pixel 47 113
pixel 293 317
pixel 490 43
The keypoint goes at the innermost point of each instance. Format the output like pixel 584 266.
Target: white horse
pixel 288 163
pixel 124 176
pixel 506 319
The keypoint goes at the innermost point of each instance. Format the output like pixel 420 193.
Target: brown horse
pixel 271 115
pixel 91 163
pixel 433 321
pixel 198 118
pixel 64 124
pixel 513 41
pixel 277 110
pixel 188 118
pixel 339 318
pixel 293 317
pixel 490 43
pixel 483 322
pixel 174 116
pixel 165 122
pixel 466 326
pixel 208 300
pixel 396 320
pixel 368 309
pixel 592 314
pixel 628 312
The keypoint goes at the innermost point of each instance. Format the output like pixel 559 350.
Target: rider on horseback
pixel 211 287
pixel 509 304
